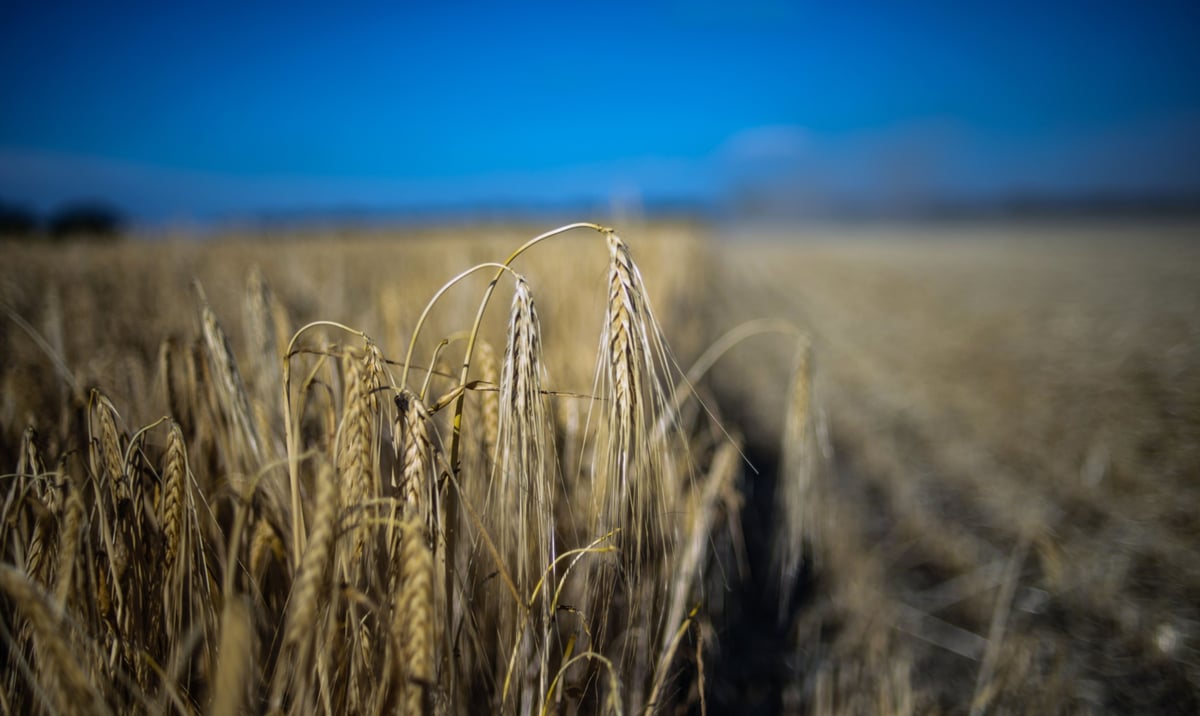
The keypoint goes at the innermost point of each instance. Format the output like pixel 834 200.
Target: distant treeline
pixel 94 220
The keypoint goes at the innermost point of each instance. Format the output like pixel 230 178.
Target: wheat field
pixel 938 470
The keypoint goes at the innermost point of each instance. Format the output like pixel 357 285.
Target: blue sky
pixel 213 109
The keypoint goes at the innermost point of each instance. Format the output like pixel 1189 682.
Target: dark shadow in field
pixel 754 657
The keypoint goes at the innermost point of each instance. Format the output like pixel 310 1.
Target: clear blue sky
pixel 174 109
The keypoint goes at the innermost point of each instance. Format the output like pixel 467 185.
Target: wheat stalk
pixel 412 619
pixel 235 660
pixel 29 462
pixel 348 618
pixel 522 505
pixel 416 460
pixel 231 391
pixel 310 590
pixel 525 482
pixel 64 677
pixel 262 336
pixel 796 493
pixel 264 544
pixel 68 545
pixel 30 466
pixel 637 483
pixel 354 443
pixel 174 478
pixel 109 463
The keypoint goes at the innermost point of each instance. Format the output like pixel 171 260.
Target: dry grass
pixel 319 486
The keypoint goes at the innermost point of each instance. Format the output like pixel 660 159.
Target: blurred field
pixel 1011 481
pixel 985 501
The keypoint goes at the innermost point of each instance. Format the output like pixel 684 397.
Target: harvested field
pixel 1012 467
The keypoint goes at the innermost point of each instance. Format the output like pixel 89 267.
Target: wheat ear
pixel 412 618
pixel 68 545
pixel 174 477
pixel 64 678
pixel 356 437
pixel 525 481
pixel 40 555
pixel 258 315
pixel 416 460
pixel 231 391
pixel 235 660
pixel 310 588
pixel 797 499
pixel 637 483
pixel 109 464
